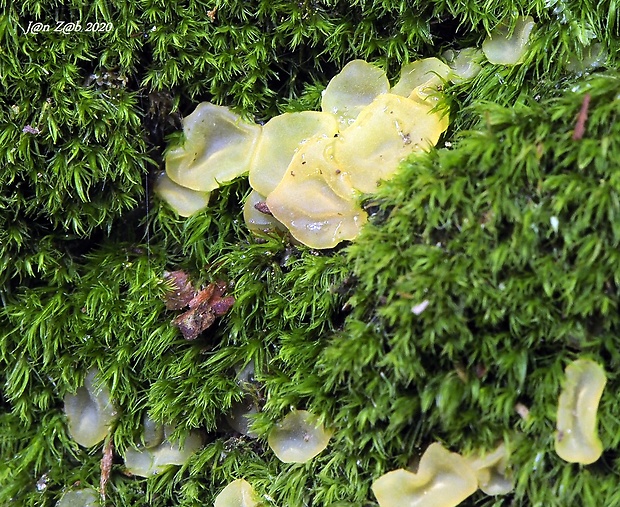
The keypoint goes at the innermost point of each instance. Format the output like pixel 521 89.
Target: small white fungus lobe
pixel 90 411
pixel 505 48
pixel 298 437
pixel 238 493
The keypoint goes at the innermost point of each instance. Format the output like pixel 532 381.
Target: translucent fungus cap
pixel 385 133
pixel 90 411
pixel 87 497
pixel 490 469
pixel 238 493
pixel 257 220
pixel 356 86
pixel 505 48
pixel 158 451
pixel 425 76
pixel 576 439
pixel 315 199
pixel 218 148
pixel 444 479
pixel 298 437
pixel 464 64
pixel 183 200
pixel 282 136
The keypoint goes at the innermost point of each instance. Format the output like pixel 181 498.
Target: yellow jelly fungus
pixel 218 148
pixel 576 439
pixel 425 76
pixel 90 411
pixel 86 497
pixel 356 86
pixel 383 135
pixel 298 437
pixel 282 136
pixel 443 479
pixel 158 451
pixel 490 469
pixel 464 64
pixel 505 48
pixel 314 200
pixel 256 220
pixel 238 493
pixel 183 200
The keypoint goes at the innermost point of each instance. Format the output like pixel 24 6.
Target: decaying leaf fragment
pixel 204 305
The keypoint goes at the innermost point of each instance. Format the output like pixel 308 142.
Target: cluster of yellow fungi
pixel 308 169
pixel 444 479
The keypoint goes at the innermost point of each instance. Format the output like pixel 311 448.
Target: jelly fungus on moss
pixel 87 497
pixel 183 200
pixel 90 411
pixel 423 76
pixel 314 200
pixel 352 89
pixel 298 437
pixel 464 64
pixel 505 48
pixel 282 136
pixel 238 493
pixel 443 479
pixel 490 469
pixel 218 148
pixel 159 452
pixel 576 439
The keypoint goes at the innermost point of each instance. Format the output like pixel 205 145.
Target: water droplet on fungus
pixel 504 48
pixel 298 437
pixel 238 493
pixel 443 479
pixel 90 411
pixel 576 439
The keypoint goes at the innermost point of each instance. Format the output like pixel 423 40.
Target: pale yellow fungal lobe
pixel 183 200
pixel 464 64
pixel 256 220
pixel 238 493
pixel 282 137
pixel 87 497
pixel 159 451
pixel 356 86
pixel 576 439
pixel 90 411
pixel 423 76
pixel 386 132
pixel 505 48
pixel 218 148
pixel 443 479
pixel 315 199
pixel 490 470
pixel 298 437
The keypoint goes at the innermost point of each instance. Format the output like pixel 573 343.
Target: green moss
pixel 468 227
